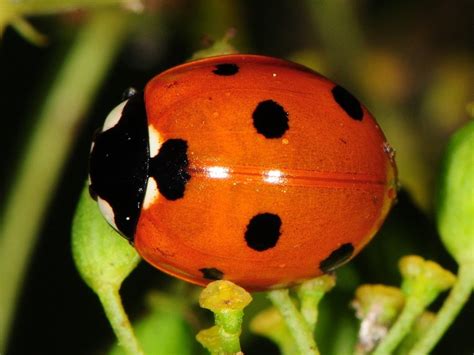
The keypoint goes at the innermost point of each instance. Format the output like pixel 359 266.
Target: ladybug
pixel 246 168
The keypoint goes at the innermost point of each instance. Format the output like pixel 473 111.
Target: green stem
pixel 66 105
pixel 310 294
pixel 25 29
pixel 297 325
pixel 227 301
pixel 112 303
pixel 413 308
pixel 44 7
pixel 230 325
pixel 457 298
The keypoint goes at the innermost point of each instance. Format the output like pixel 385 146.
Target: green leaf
pixel 455 207
pixel 102 256
pixel 104 260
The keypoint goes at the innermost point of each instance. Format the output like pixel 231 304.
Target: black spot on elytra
pixel 337 258
pixel 263 231
pixel 348 102
pixel 270 119
pixel 118 165
pixel 226 69
pixel 212 273
pixel 170 168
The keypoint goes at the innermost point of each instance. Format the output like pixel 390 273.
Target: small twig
pixel 458 296
pixel 113 307
pixel 297 325
pixel 413 308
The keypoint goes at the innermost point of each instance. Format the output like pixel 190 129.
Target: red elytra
pixel 267 173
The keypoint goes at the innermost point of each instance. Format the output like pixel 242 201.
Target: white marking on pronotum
pixel 155 141
pixel 151 193
pixel 114 116
pixel 218 172
pixel 107 211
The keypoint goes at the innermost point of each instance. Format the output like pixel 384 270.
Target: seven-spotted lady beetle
pixel 246 168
